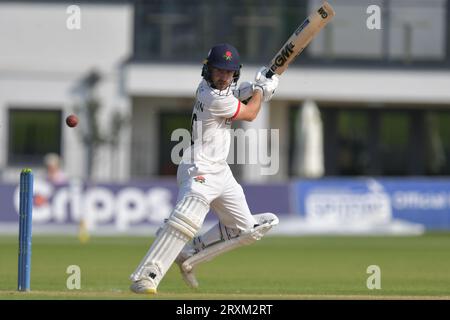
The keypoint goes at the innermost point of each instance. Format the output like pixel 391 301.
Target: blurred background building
pixel 379 100
pixel 383 95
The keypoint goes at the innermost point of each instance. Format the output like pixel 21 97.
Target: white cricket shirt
pixel 210 128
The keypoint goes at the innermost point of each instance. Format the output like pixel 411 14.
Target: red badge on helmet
pixel 228 56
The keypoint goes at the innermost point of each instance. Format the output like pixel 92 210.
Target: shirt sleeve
pixel 225 107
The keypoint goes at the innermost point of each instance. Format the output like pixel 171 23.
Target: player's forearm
pixel 253 106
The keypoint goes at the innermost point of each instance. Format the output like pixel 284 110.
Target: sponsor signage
pixel 121 206
pixel 375 201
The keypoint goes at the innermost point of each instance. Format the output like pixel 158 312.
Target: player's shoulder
pixel 204 91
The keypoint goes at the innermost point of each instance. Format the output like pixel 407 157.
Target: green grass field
pixel 273 268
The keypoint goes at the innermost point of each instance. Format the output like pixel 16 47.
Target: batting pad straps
pixel 184 226
pixel 181 227
pixel 268 220
pixel 188 215
pixel 161 254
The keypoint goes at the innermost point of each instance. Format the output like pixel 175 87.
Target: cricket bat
pixel 300 39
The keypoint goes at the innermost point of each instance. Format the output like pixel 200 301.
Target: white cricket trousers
pixel 221 190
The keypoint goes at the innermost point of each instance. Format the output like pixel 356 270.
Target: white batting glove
pixel 266 85
pixel 245 91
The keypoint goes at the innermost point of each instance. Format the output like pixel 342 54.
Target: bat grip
pixel 269 74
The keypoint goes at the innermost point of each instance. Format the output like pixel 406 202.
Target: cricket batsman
pixel 205 179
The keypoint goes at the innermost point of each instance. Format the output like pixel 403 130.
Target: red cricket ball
pixel 72 120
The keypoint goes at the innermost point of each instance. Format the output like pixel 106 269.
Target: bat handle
pixel 269 74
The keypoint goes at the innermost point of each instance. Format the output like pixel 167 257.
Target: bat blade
pixel 300 39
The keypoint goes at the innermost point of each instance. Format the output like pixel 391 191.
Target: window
pixel 394 142
pixel 404 36
pixel 386 142
pixel 184 31
pixel 169 122
pixel 353 156
pixel 33 134
pixel 437 137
